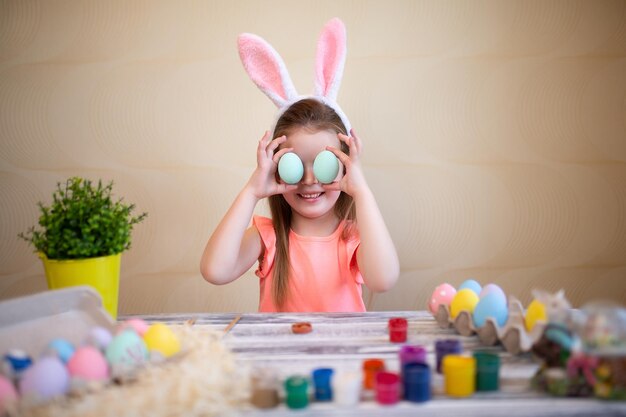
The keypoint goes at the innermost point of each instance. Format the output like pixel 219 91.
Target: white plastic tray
pixel 29 323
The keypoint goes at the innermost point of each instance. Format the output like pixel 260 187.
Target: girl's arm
pixel 376 256
pixel 233 247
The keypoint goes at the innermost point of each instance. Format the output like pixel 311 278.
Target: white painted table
pixel 344 340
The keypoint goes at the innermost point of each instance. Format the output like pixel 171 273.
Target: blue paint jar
pixel 321 381
pixel 417 382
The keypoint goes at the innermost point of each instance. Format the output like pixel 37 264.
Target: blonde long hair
pixel 315 116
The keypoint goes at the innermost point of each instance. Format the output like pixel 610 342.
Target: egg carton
pixel 29 323
pixel 513 335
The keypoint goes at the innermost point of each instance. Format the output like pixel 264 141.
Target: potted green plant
pixel 82 236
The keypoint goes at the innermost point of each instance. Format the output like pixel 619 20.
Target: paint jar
pixel 370 368
pixel 459 375
pixel 387 388
pixel 321 381
pixel 397 329
pixel 264 389
pixel 446 347
pixel 412 354
pixel 296 392
pixel 487 371
pixel 416 380
pixel 347 388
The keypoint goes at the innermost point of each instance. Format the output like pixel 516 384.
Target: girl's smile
pixel 310 197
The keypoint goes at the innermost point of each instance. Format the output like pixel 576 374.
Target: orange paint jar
pixel 370 368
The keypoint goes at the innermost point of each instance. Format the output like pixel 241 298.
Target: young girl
pixel 324 240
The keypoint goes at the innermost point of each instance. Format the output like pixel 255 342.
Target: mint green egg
pixel 126 349
pixel 326 167
pixel 290 168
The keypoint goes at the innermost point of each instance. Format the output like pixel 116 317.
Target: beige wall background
pixel 494 135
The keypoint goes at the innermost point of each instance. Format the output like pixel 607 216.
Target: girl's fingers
pixel 357 141
pixel 264 139
pixel 350 141
pixel 345 139
pixel 345 159
pixel 262 144
pixel 273 145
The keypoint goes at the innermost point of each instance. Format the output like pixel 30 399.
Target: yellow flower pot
pixel 102 273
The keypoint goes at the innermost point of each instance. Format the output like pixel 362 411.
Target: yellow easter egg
pixel 536 312
pixel 161 338
pixel 464 299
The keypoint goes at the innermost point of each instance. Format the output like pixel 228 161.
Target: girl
pixel 313 253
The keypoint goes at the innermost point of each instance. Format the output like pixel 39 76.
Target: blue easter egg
pixel 472 285
pixel 290 168
pixel 491 305
pixel 326 167
pixel 62 348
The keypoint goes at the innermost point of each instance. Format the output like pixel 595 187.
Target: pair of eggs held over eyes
pixel 325 167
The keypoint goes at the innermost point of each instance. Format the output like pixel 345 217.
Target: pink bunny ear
pixel 266 69
pixel 330 60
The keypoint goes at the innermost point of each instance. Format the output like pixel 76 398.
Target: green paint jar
pixel 487 371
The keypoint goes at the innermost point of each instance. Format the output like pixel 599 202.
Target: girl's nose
pixel 309 176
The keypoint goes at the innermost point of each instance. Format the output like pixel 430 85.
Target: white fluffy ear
pixel 330 59
pixel 542 296
pixel 266 69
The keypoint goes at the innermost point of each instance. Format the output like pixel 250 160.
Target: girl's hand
pixel 353 181
pixel 263 182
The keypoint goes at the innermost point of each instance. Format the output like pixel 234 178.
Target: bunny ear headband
pixel 268 71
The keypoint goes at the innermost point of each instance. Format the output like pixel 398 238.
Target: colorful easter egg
pixel 139 325
pixel 8 395
pixel 464 300
pixel 290 168
pixel 535 312
pixel 162 339
pixel 45 379
pixel 491 305
pixel 99 337
pixel 87 363
pixel 472 285
pixel 442 295
pixel 491 289
pixel 326 167
pixel 127 350
pixel 62 348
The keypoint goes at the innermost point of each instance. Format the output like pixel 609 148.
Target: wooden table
pixel 343 340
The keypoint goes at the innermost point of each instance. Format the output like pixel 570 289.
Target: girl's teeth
pixel 310 195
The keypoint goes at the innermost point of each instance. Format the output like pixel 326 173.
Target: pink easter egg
pixel 139 325
pixel 442 295
pixel 8 395
pixel 88 363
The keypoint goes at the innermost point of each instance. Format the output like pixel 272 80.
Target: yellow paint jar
pixel 459 375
